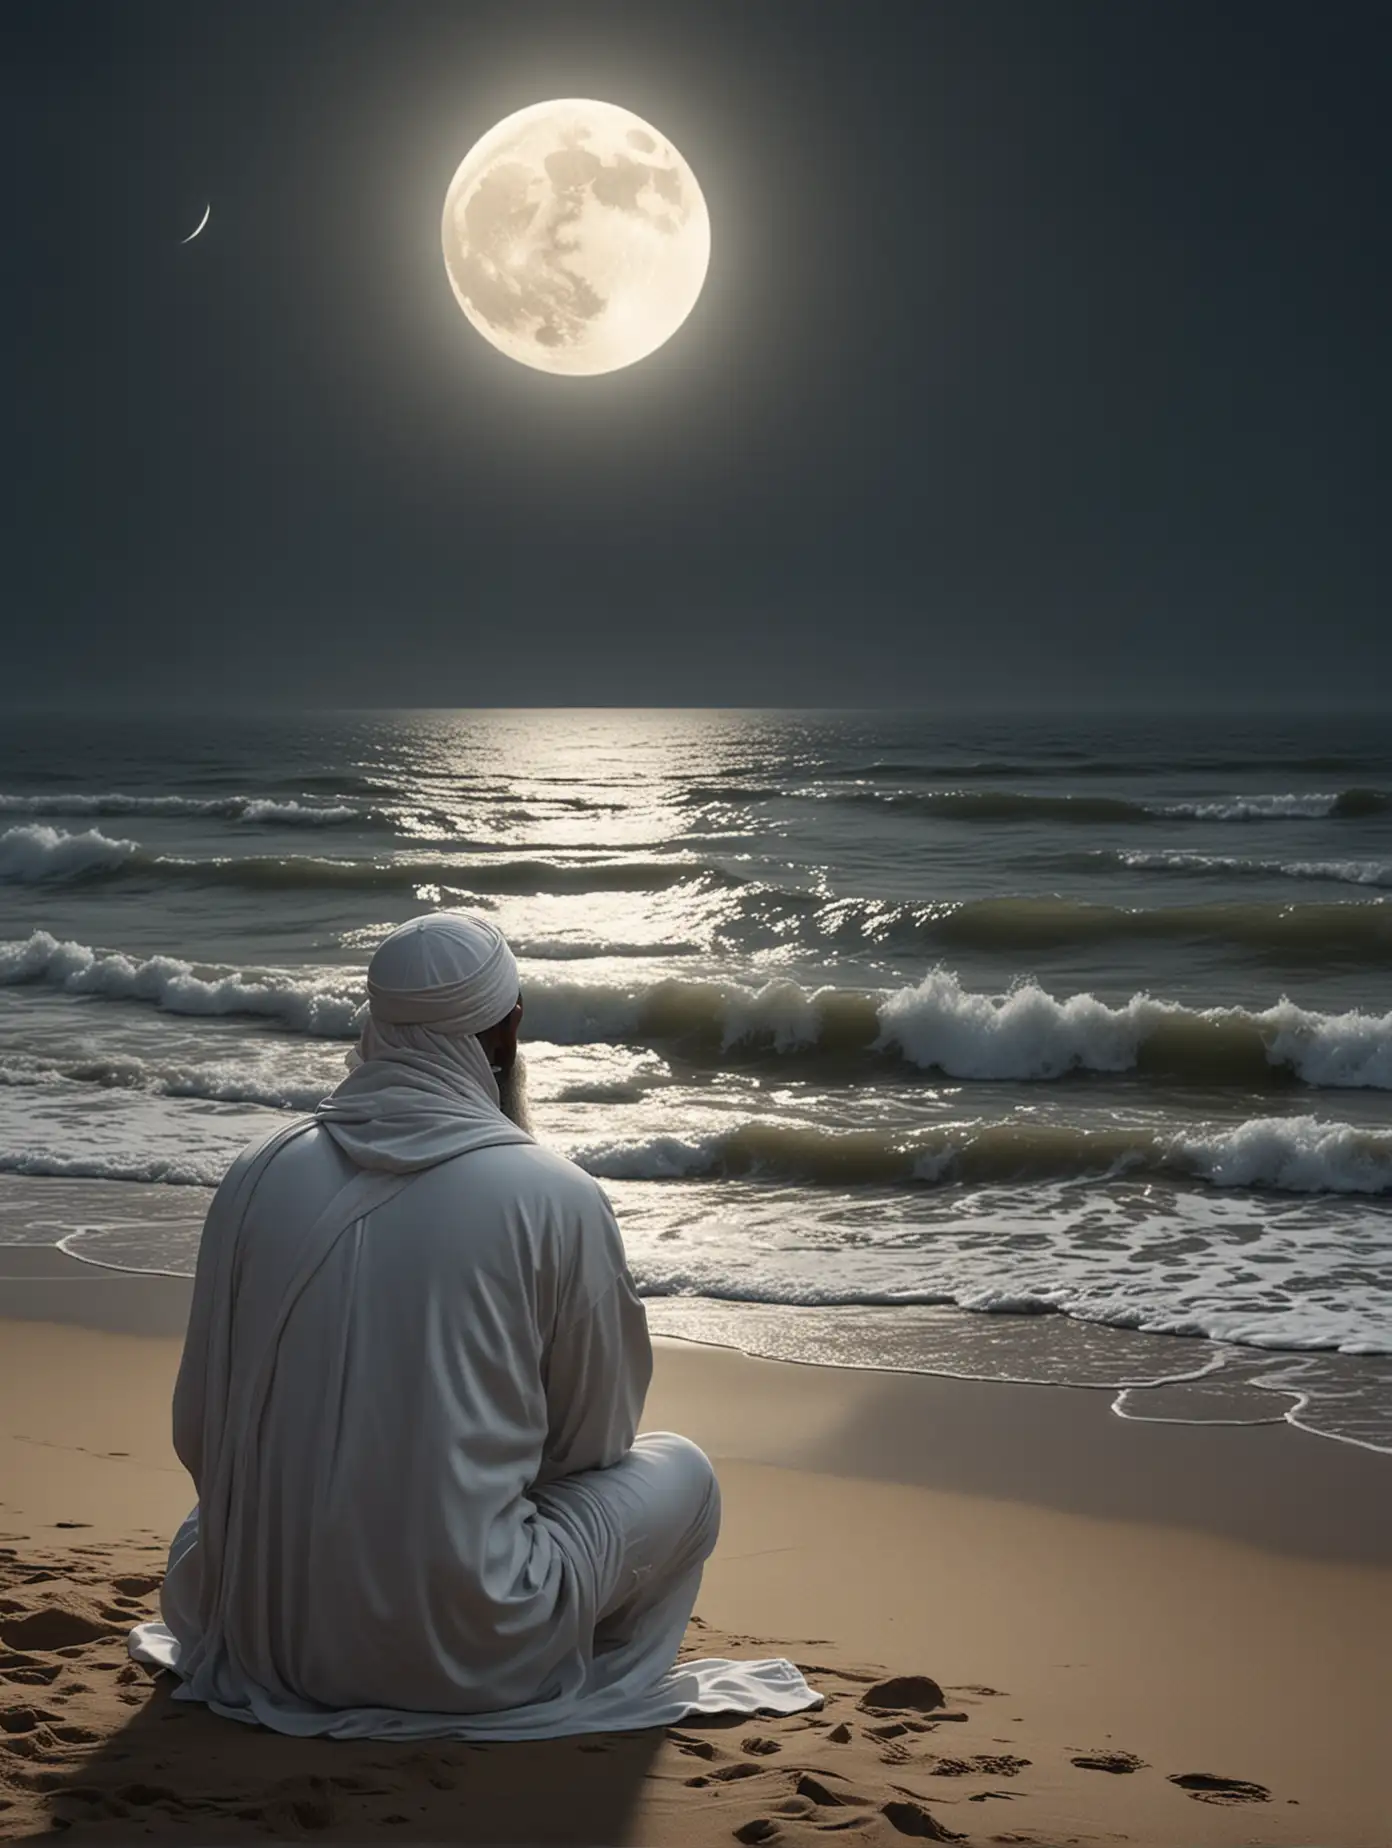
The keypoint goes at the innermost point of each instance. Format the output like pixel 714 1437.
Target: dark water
pixel 855 1015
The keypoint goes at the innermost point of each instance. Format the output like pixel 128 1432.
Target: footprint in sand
pixel 829 1791
pixel 832 1796
pixel 693 1748
pixel 24 1719
pixel 912 1819
pixel 759 1746
pixel 985 1765
pixel 723 1774
pixel 138 1584
pixel 58 1627
pixel 1204 1787
pixel 1115 1762
pixel 918 1693
pixel 28 1672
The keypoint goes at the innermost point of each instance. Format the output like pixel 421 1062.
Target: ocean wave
pixel 283 811
pixel 1029 1034
pixel 1295 1155
pixel 457 877
pixel 36 852
pixel 321 1005
pixel 1006 805
pixel 1344 804
pixel 1327 764
pixel 1285 1154
pixel 986 805
pixel 700 795
pixel 1025 1034
pixel 938 1026
pixel 1224 866
pixel 567 949
pixel 229 1083
pixel 166 1171
pixel 1352 931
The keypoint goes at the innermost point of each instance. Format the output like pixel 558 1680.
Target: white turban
pixel 450 971
pixel 421 1090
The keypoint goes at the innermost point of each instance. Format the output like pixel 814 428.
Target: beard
pixel 512 1093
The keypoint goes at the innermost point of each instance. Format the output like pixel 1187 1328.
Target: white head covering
pixel 451 970
pixel 424 1091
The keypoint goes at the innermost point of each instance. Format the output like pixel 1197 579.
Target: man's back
pixel 474 1334
pixel 414 1366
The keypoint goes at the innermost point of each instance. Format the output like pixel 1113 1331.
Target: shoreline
pixel 1055 1445
pixel 1192 1380
pixel 1203 1598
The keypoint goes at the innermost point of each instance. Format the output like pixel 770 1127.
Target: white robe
pixel 382 1371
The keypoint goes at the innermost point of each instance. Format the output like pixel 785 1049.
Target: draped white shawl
pixel 419 1099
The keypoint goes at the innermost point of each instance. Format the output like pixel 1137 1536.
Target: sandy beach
pixel 1033 1622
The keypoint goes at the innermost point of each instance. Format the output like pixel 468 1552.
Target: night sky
pixel 1042 360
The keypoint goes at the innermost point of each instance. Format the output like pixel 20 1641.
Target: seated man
pixel 414 1367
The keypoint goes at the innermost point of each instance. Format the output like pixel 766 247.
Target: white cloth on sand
pixel 414 1366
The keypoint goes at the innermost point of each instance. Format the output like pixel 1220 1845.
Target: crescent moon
pixel 207 214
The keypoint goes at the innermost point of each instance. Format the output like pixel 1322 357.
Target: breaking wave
pixel 36 852
pixel 167 1171
pixel 1028 1034
pixel 1286 1154
pixel 1296 1155
pixel 323 1005
pixel 936 1026
pixel 1223 866
pixel 1345 805
pixel 229 1083
pixel 1329 764
pixel 1004 805
pixel 284 811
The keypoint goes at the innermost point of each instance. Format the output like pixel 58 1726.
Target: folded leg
pixel 663 1503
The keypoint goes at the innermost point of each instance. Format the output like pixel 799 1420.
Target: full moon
pixel 575 236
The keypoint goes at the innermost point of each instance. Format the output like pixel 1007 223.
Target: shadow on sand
pixel 176 1765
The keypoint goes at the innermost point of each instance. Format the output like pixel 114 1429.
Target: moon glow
pixel 207 214
pixel 575 237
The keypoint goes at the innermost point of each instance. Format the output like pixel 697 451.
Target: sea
pixel 1028 1048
